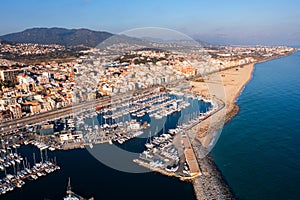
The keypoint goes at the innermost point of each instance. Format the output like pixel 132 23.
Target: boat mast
pixel 23 164
pixel 42 159
pixel 69 191
pixel 46 155
pixel 34 158
pixel 149 138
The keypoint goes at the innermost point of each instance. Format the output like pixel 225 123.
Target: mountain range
pixel 74 37
pixel 61 36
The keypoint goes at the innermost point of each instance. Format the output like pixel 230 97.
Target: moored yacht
pixel 72 196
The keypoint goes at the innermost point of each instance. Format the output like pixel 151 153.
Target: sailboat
pixel 72 196
pixel 149 144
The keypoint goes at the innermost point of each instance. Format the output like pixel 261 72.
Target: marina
pixel 118 123
pixel 17 170
pixel 171 152
pixel 91 178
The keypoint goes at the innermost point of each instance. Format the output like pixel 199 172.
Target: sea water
pixel 258 151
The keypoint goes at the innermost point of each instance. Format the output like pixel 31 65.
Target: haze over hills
pixel 74 37
pixel 62 36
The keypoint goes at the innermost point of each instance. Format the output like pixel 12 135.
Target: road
pixel 12 126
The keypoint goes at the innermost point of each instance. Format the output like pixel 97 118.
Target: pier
pixel 182 162
pixel 9 182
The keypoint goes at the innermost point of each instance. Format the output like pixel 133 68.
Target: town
pixel 104 97
pixel 32 89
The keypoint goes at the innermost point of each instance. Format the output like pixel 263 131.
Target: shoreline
pixel 212 183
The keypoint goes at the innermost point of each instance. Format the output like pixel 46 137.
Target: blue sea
pixel 258 151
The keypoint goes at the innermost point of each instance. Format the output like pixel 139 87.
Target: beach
pixel 261 143
pixel 231 80
pixel 226 86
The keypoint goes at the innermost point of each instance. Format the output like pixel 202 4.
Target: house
pixel 16 111
pixel 31 107
pixel 5 115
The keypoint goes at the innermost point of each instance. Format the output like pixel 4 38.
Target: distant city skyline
pixel 218 22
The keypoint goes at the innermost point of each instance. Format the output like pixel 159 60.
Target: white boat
pixel 138 133
pixel 172 169
pixel 71 195
pixel 34 176
pixel 43 147
pixel 121 141
pixel 20 183
pixel 149 145
pixel 39 174
pixel 51 148
pixel 157 116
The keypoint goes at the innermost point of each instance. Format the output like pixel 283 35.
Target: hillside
pixel 61 36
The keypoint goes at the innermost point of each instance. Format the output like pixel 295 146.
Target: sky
pixel 268 22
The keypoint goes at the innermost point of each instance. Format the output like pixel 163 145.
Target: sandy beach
pixel 231 80
pixel 226 86
pixel 234 80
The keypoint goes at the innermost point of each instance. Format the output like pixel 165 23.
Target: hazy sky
pixel 215 21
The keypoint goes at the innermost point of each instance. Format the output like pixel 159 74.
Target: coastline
pixel 234 79
pixel 226 86
pixel 211 184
